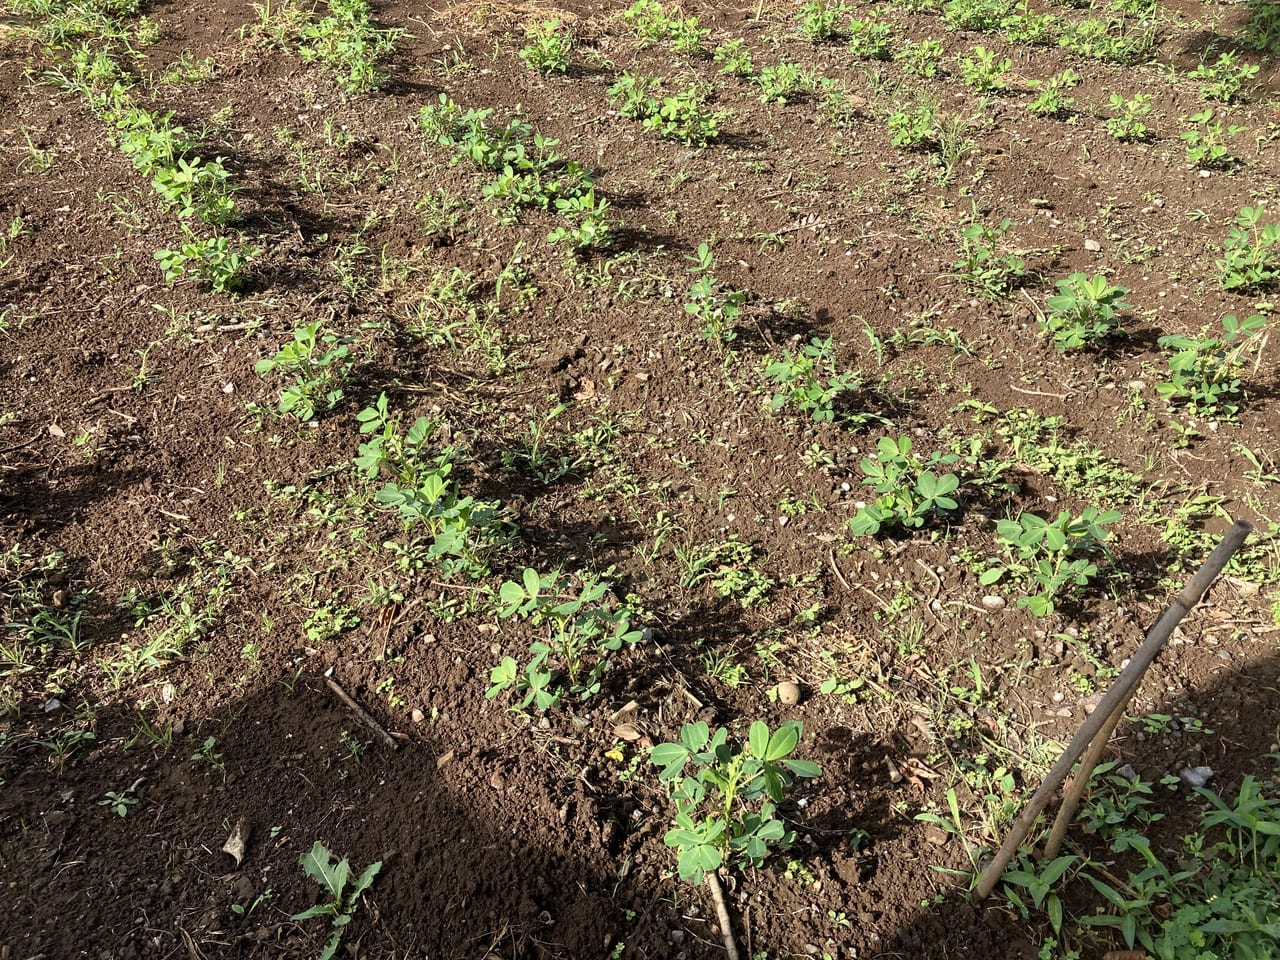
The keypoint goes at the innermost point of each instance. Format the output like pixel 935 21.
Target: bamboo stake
pixel 1116 699
pixel 722 912
pixel 1071 799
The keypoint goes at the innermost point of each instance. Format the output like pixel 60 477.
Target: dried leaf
pixel 627 731
pixel 238 840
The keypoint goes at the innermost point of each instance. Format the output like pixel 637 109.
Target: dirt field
pixel 700 333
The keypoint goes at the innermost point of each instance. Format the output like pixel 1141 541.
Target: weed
pixel 1052 553
pixel 726 566
pixel 983 72
pixel 1027 26
pixel 208 753
pixel 680 116
pixel 922 59
pixel 334 878
pixel 981 265
pixel 1083 312
pixel 585 626
pixel 648 18
pixel 869 38
pixel 1204 371
pixel 808 380
pixel 783 83
pixel 726 811
pixel 909 491
pixel 818 18
pixel 347 41
pixel 717 308
pixel 120 802
pixel 735 57
pixel 1207 141
pixel 1261 30
pixel 549 47
pixel 1219 901
pixel 1052 101
pixel 1223 81
pixel 1038 885
pixel 1250 253
pixel 320 364
pixel 915 126
pixel 1128 116
pixel 1110 39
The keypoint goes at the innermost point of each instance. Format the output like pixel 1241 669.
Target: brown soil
pixel 129 446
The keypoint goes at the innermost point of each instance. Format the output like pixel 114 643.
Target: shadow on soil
pixel 504 839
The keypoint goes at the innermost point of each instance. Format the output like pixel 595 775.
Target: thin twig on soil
pixel 722 912
pixel 20 446
pixel 359 711
pixel 1039 393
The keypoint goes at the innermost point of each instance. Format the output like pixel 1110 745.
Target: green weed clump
pixel 548 48
pixel 527 172
pixel 1204 371
pixel 584 627
pixel 350 43
pixel 679 116
pixel 1250 253
pixel 808 380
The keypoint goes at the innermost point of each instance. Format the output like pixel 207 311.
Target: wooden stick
pixel 359 711
pixel 722 913
pixel 1119 695
pixel 1071 800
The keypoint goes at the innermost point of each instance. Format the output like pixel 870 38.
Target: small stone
pixel 1059 697
pixel 168 692
pixel 788 693
pixel 935 834
pixel 416 715
pixel 1093 246
pixel 992 602
pixel 1206 174
pixel 1195 776
pixel 1224 654
pixel 677 936
pixel 52 705
pixel 1127 772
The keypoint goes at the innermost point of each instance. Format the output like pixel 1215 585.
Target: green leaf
pixel 332 877
pixel 803 768
pixel 331 947
pixel 1054 909
pixel 671 757
pixel 784 740
pixel 695 861
pixel 319 910
pixel 695 735
pixel 364 880
pixel 758 739
pixel 532 583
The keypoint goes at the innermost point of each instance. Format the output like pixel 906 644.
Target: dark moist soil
pixel 128 449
